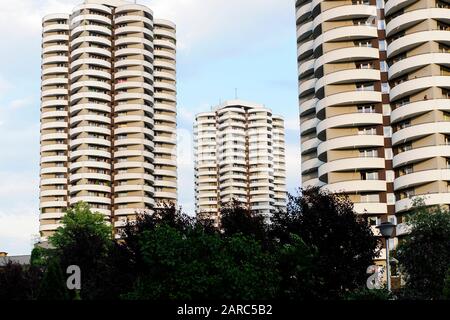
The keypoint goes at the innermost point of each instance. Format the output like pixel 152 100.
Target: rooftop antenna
pixel 236 93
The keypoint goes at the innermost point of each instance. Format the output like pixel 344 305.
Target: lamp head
pixel 386 229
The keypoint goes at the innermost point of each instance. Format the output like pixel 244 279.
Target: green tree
pixel 53 285
pixel 197 265
pixel 84 240
pixel 424 254
pixel 344 241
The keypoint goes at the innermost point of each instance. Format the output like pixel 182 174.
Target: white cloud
pixel 200 22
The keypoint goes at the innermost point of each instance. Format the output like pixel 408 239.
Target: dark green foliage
pixel 344 241
pixel 424 254
pixel 365 294
pixel 197 265
pixel 18 282
pixel 53 285
pixel 318 249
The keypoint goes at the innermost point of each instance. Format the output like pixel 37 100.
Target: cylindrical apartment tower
pixel 418 34
pixel 239 155
pixel 374 102
pixel 101 112
pixel 343 94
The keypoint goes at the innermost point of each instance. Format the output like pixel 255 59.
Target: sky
pixel 223 45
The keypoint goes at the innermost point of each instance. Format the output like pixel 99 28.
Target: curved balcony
pixel 99 51
pixel 55 59
pixel 348 76
pixel 165 23
pixel 133 7
pixel 49 182
pixel 90 187
pixel 349 120
pixel 90 28
pixel 349 54
pixel 89 164
pixel 133 30
pixel 307 86
pixel 53 204
pixel 74 109
pixel 55 48
pixel 420 130
pixel 88 199
pixel 303 11
pixel 91 39
pixel 91 175
pixel 54 147
pixel 410 64
pixel 309 145
pixel 351 165
pixel 55 17
pixel 430 199
pixel 349 98
pixel 89 117
pixel 420 154
pixel 346 12
pixel 307 106
pixel 164 54
pixel 312 183
pixel 356 186
pixel 54 71
pixel 95 84
pixel 304 30
pixel 306 67
pixel 93 6
pixel 392 6
pixel 411 18
pixel 163 43
pixel 350 142
pixel 90 17
pixel 91 61
pixel 311 165
pixel 133 18
pixel 421 177
pixel 347 33
pixel 133 40
pixel 370 208
pixel 407 42
pixel 308 126
pixel 89 72
pixel 55 38
pixel 412 86
pixel 304 50
pixel 414 109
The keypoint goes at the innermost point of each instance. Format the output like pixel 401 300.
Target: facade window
pixel 369 175
pixel 385 87
pixel 386 109
pixel 366 109
pixel 383 66
pixel 368 153
pixel 387 131
pixel 390 199
pixel 370 198
pixel 388 154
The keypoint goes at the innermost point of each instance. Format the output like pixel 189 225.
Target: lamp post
pixel 386 230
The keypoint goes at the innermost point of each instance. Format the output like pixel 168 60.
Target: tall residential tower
pixel 239 155
pixel 374 83
pixel 108 112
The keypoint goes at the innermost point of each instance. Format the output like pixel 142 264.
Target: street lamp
pixel 386 230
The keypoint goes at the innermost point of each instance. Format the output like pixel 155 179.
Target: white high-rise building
pixel 374 83
pixel 239 155
pixel 108 111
